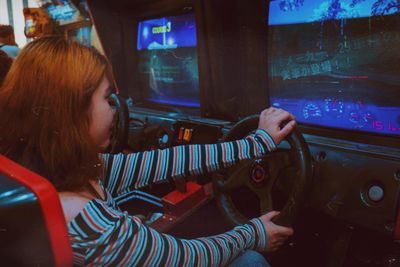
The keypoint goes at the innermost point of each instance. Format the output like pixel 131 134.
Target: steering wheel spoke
pixel 279 159
pixel 263 193
pixel 239 175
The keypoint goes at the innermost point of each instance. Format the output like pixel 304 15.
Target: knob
pixel 376 193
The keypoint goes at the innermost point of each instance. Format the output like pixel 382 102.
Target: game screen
pixel 61 11
pixel 336 63
pixel 168 60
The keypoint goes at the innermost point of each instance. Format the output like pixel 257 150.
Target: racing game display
pixel 167 51
pixel 336 63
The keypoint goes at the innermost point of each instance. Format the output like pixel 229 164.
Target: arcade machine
pixel 63 17
pixel 193 71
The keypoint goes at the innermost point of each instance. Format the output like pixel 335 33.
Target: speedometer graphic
pixel 311 110
pixel 334 107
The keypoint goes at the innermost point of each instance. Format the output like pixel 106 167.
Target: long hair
pixel 7 35
pixel 44 103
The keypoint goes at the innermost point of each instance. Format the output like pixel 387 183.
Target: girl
pixel 56 120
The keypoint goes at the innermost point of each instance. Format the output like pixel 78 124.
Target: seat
pixel 32 225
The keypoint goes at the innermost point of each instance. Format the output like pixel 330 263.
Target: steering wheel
pixel 120 129
pixel 260 175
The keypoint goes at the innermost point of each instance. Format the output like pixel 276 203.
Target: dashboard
pixel 164 129
pixel 352 182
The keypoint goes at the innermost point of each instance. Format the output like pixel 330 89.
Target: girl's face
pixel 101 115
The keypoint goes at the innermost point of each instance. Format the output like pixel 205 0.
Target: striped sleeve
pixel 101 236
pixel 124 172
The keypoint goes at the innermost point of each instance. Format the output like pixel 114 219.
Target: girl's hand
pixel 276 234
pixel 272 119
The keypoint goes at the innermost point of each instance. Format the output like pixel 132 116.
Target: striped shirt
pixel 103 235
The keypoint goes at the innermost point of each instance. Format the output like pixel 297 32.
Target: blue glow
pixel 350 115
pixel 138 192
pixel 145 32
pixel 9 193
pixel 167 57
pixel 194 103
pixel 167 33
pixel 319 10
pixel 16 196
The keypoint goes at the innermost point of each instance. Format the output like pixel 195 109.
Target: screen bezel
pixel 162 12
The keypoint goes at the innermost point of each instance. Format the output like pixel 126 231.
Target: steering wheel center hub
pixel 258 174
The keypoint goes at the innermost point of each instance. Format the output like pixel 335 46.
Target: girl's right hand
pixel 271 121
pixel 276 234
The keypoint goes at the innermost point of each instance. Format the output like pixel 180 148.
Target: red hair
pixel 44 102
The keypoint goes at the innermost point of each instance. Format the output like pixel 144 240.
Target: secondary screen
pixel 61 11
pixel 337 63
pixel 168 67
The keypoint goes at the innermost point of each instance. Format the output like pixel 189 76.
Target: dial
pixel 334 107
pixel 354 117
pixel 311 110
